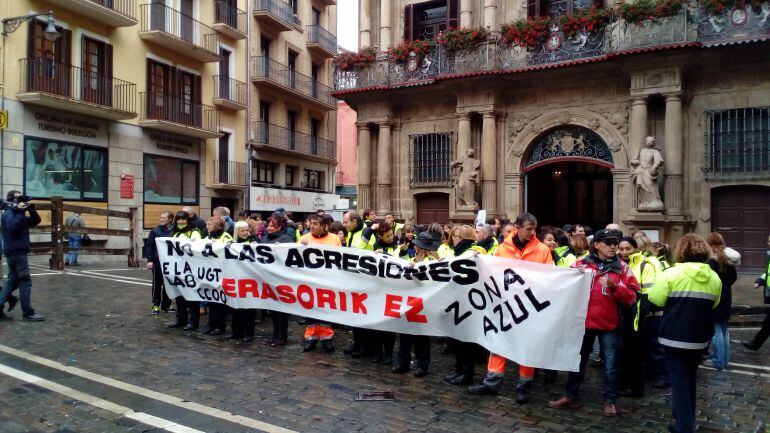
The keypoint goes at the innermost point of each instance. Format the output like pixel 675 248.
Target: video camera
pixel 24 199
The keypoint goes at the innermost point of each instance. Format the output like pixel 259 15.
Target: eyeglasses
pixel 611 242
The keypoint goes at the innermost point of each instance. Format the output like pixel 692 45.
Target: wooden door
pixel 224 74
pixel 96 73
pixel 432 207
pixel 187 30
pixel 224 158
pixel 741 214
pixel 158 85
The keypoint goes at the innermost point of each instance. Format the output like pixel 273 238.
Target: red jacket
pixel 603 309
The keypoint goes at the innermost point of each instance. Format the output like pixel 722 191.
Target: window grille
pixel 430 159
pixel 737 143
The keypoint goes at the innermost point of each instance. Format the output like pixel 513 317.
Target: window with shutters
pixel 96 73
pixel 426 20
pixel 49 62
pixel 173 94
pixel 558 8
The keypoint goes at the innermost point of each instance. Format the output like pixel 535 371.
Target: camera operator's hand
pixel 23 205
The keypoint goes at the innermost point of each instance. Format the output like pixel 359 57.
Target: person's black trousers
pixel 384 342
pixel 362 340
pixel 465 355
pixel 682 370
pixel 187 312
pixel 217 316
pixel 280 326
pixel 763 333
pixel 243 322
pixel 631 357
pixel 159 296
pixel 421 345
pixel 655 356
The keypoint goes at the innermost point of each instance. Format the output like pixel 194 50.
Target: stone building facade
pixel 557 128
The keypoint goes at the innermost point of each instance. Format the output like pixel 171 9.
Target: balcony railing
pixel 284 76
pixel 228 14
pixel 279 10
pixel 48 76
pixel 123 7
pixel 692 25
pixel 229 172
pixel 180 110
pixel 322 37
pixel 230 89
pixel 289 139
pixel 159 17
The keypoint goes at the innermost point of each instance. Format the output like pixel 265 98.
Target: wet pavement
pixel 102 363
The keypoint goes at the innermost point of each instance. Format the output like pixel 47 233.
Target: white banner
pixel 530 313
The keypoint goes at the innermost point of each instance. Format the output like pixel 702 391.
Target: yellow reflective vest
pixel 356 240
pixel 445 251
pixel 192 235
pixel 565 258
pixel 223 238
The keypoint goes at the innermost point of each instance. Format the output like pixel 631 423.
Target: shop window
pixel 738 142
pixel 170 180
pixel 430 157
pixel 263 172
pixel 312 179
pixel 75 172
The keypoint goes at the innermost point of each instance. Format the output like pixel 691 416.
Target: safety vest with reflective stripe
pixel 688 293
pixel 646 270
pixel 356 240
pixel 565 258
pixel 192 235
pixel 473 249
pixel 445 251
pixel 224 238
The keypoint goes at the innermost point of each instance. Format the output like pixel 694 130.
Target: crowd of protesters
pixel 652 312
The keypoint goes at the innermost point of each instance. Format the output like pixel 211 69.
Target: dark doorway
pixel 432 207
pixel 226 202
pixel 741 214
pixel 568 193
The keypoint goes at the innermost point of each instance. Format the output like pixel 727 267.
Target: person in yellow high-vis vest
pixel 187 312
pixel 217 312
pixel 354 224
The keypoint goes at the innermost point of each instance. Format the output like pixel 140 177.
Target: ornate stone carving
pixel 466 175
pixel 618 116
pixel 569 141
pixel 644 176
pixel 615 145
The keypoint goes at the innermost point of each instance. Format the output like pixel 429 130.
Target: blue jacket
pixel 16 225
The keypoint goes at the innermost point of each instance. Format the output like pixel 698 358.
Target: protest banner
pixel 530 313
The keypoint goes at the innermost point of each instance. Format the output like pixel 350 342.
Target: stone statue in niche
pixel 466 175
pixel 645 176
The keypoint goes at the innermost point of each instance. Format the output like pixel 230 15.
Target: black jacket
pixel 16 225
pixel 281 237
pixel 150 249
pixel 728 277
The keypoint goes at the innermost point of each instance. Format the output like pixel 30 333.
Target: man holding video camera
pixel 15 227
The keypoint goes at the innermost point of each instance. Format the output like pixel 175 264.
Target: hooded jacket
pixel 535 251
pixel 688 293
pixel 15 226
pixel 603 304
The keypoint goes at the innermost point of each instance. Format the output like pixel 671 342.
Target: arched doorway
pixel 567 178
pixel 742 216
pixel 432 207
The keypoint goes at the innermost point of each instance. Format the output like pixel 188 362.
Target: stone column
pixel 638 128
pixel 489 163
pixel 384 24
pixel 364 24
pixel 490 14
pixel 673 154
pixel 383 169
pixel 466 13
pixel 463 135
pixel 363 158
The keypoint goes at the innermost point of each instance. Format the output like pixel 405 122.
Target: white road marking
pixel 127 412
pixel 123 277
pixel 43 273
pixel 113 279
pixel 743 372
pixel 756 367
pixel 144 392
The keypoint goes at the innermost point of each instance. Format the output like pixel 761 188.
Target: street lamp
pixel 10 25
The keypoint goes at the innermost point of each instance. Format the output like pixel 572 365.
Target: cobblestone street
pixel 102 363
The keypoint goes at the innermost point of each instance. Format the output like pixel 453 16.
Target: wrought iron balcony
pixel 62 86
pixel 230 93
pixel 266 135
pixel 181 33
pixel 268 72
pixel 114 13
pixel 693 25
pixel 229 20
pixel 181 115
pixel 275 15
pixel 320 42
pixel 229 174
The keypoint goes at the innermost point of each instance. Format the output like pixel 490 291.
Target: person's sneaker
pixel 35 317
pixel 564 403
pixel 12 301
pixel 747 344
pixel 155 310
pixel 609 409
